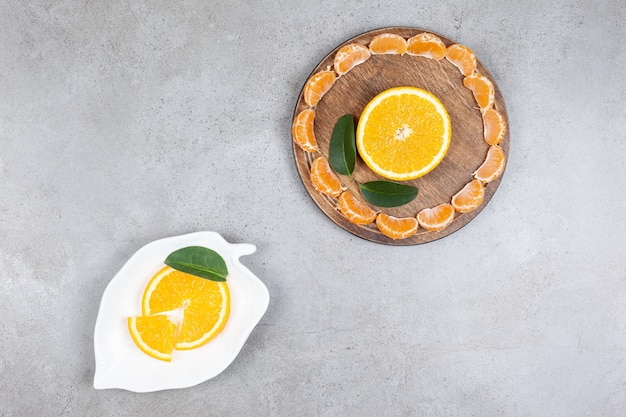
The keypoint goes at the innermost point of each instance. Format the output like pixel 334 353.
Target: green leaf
pixel 199 261
pixel 342 148
pixel 387 193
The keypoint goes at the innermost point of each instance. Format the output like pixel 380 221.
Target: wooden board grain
pixel 351 93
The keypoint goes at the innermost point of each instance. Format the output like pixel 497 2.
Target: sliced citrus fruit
pixel 317 86
pixel 493 166
pixel 482 88
pixel 324 178
pixel 403 133
pixel 388 43
pixel 436 218
pixel 396 227
pixel 494 126
pixel 205 304
pixel 350 56
pixel 426 45
pixel 354 210
pixel 154 335
pixel 470 197
pixel 462 57
pixel 302 130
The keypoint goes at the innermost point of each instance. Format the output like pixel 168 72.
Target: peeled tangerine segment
pixel 317 86
pixel 302 130
pixel 396 227
pixel 427 45
pixel 483 90
pixel 436 218
pixel 350 56
pixel 493 166
pixel 462 57
pixel 388 43
pixel 324 178
pixel 470 197
pixel 354 210
pixel 494 126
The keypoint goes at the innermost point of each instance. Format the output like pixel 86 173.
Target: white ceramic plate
pixel 120 364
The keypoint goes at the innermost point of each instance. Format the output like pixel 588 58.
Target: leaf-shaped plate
pixel 120 364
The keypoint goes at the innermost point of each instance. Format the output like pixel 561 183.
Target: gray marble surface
pixel 122 122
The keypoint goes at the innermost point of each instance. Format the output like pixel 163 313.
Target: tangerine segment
pixel 493 166
pixel 396 227
pixel 470 197
pixel 388 43
pixel 354 210
pixel 317 86
pixel 205 304
pixel 494 126
pixel 426 45
pixel 350 56
pixel 403 133
pixel 324 178
pixel 302 130
pixel 483 90
pixel 462 57
pixel 436 218
pixel 154 335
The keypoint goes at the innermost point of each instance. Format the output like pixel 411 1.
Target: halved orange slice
pixel 403 133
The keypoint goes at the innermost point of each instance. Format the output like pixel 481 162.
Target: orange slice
pixel 462 57
pixel 302 130
pixel 388 43
pixel 436 218
pixel 483 90
pixel 154 335
pixel 205 305
pixel 317 86
pixel 403 133
pixel 470 197
pixel 494 126
pixel 324 178
pixel 426 45
pixel 354 210
pixel 396 227
pixel 493 166
pixel 350 56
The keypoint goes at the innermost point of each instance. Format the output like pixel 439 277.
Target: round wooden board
pixel 351 93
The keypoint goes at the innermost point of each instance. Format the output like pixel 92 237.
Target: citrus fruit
pixel 403 133
pixel 302 130
pixel 205 304
pixel 396 227
pixel 154 335
pixel 349 56
pixel 493 166
pixel 470 197
pixel 426 45
pixel 436 218
pixel 324 178
pixel 482 88
pixel 388 43
pixel 494 126
pixel 354 210
pixel 317 86
pixel 462 57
